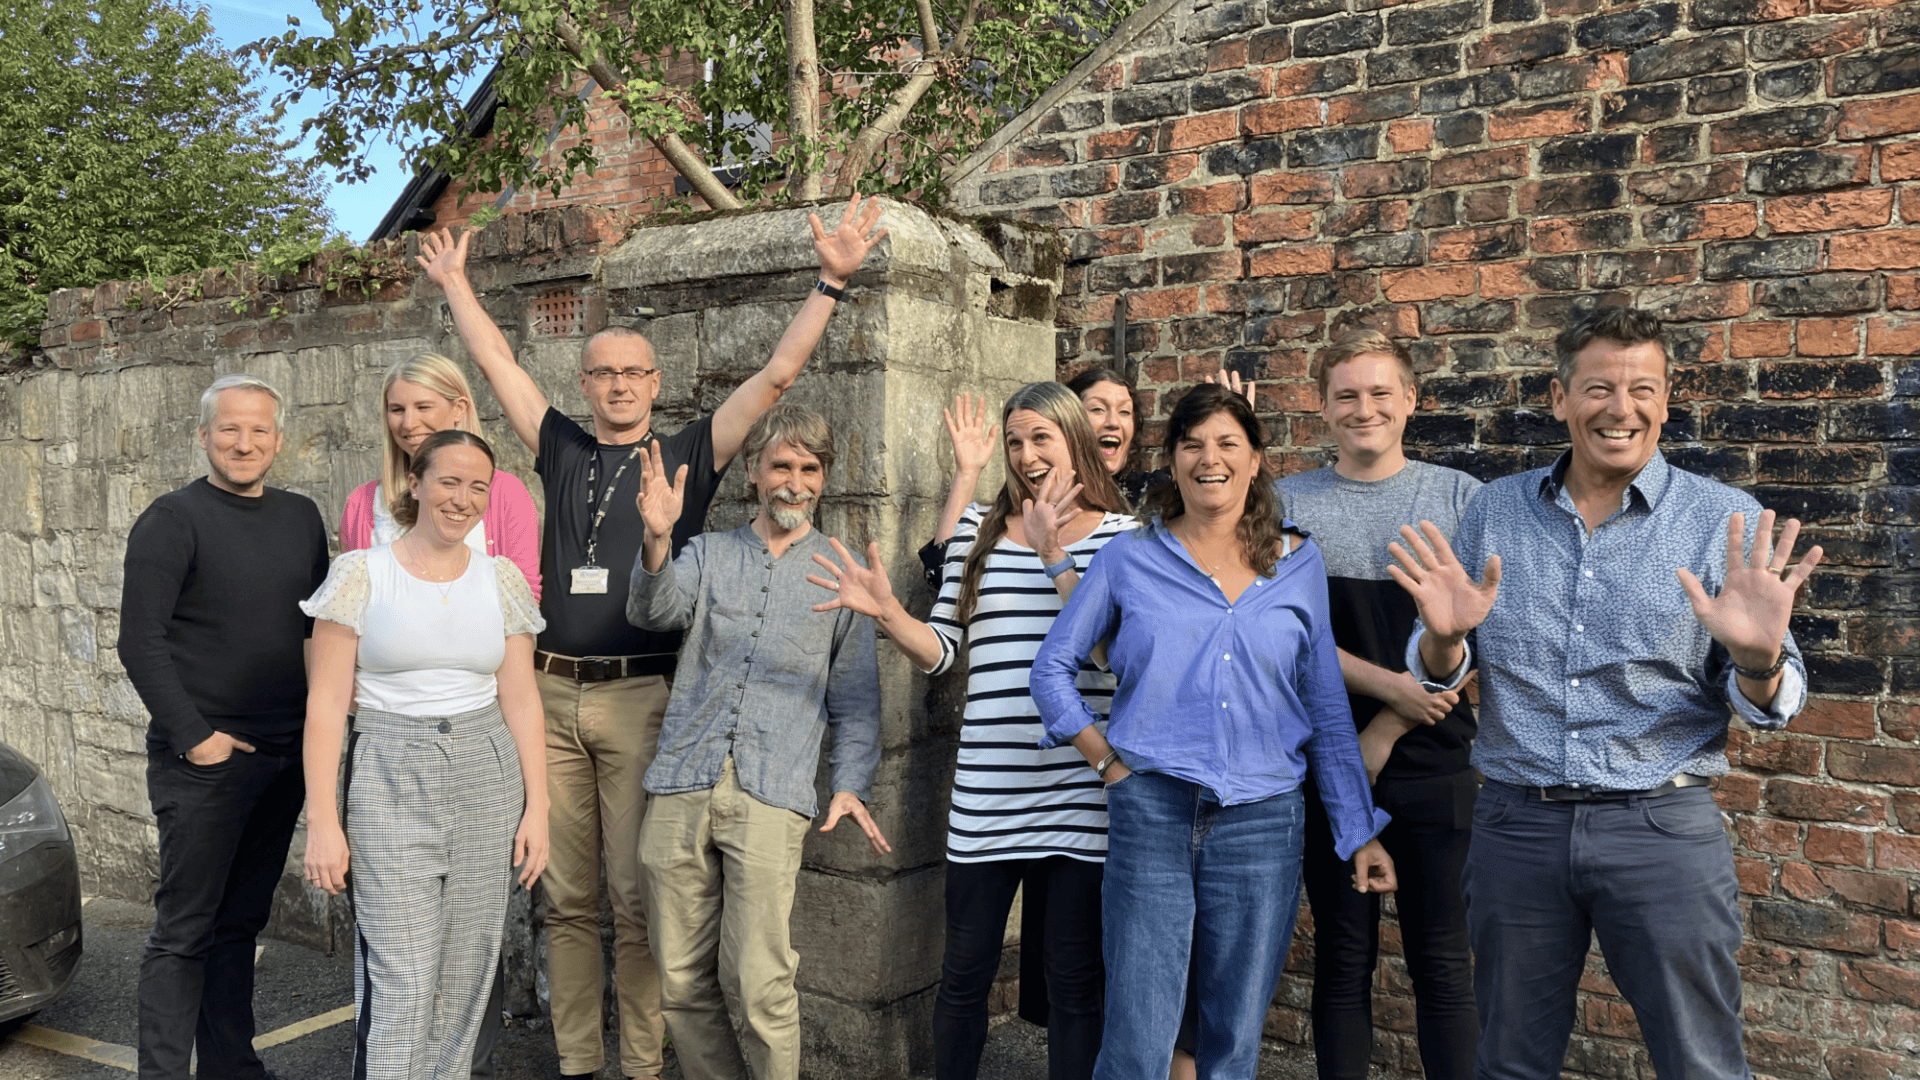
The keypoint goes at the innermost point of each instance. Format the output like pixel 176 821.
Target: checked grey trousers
pixel 432 804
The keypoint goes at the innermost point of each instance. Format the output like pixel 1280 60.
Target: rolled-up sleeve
pixel 853 705
pixel 1419 667
pixel 665 600
pixel 1090 617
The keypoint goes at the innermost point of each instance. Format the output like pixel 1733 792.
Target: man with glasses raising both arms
pixel 604 683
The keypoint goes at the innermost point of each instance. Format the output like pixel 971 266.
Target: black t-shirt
pixel 595 624
pixel 211 631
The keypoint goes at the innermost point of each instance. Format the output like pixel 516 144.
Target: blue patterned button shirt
pixel 1593 669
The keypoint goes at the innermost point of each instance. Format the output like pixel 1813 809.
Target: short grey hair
pixel 796 424
pixel 210 399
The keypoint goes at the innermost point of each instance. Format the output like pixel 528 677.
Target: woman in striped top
pixel 1020 814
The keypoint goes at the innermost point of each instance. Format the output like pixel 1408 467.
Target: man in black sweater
pixel 214 643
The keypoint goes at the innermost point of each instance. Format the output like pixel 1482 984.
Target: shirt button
pixel 739 686
pixel 756 633
pixel 1223 704
pixel 1579 628
pixel 1589 573
pixel 1228 656
pixel 1574 735
pixel 736 711
pixel 1576 682
pixel 445 727
pixel 763 588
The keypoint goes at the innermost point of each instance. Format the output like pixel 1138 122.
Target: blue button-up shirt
pixel 1593 669
pixel 1241 698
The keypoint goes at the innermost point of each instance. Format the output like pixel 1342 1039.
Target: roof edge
pixel 1122 36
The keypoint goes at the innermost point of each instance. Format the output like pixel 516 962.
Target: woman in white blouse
pixel 446 792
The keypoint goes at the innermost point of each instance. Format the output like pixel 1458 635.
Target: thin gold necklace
pixel 446 594
pixel 1193 549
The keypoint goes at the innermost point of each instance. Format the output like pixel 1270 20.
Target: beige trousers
pixel 600 739
pixel 721 867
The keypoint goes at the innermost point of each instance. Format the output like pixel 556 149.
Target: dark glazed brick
pixel 1225 89
pixel 1761 258
pixel 1877 72
pixel 1641 105
pixel 1526 427
pixel 1421 26
pixel 1815 465
pixel 1377 105
pixel 1270 47
pixel 1409 65
pixel 1677 223
pixel 1347 33
pixel 1570 195
pixel 1727 464
pixel 1618 270
pixel 1209 333
pixel 1788 83
pixel 1522 46
pixel 1844 674
pixel 1688 342
pixel 1900 26
pixel 1133 106
pixel 1584 152
pixel 1220 20
pixel 1640 26
pixel 1131 206
pixel 1108 277
pixel 1333 146
pixel 1808 504
pixel 1820 378
pixel 1078 183
pixel 1586 233
pixel 1717 94
pixel 1672 145
pixel 1329 290
pixel 1557 274
pixel 1200 267
pixel 1156 172
pixel 1439 429
pixel 1388 178
pixel 1679 427
pixel 1820 294
pixel 1179 63
pixel 1557 79
pixel 1709 14
pixel 1253 157
pixel 1685 58
pixel 1808 125
pixel 1873 421
pixel 1435 211
pixel 1472 392
pixel 1073 116
pixel 1507 11
pixel 1799 171
pixel 1763 423
pixel 1468 317
pixel 1292 11
pixel 1709 382
pixel 1903 466
pixel 1010 189
pixel 1460 129
pixel 1806 39
pixel 1334 75
pixel 1405 249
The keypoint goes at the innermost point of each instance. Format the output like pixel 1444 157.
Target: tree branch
pixel 803 93
pixel 462 36
pixel 887 124
pixel 682 157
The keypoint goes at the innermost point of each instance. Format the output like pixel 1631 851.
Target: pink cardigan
pixel 512 525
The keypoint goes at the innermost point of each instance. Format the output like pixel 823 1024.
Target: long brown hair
pixel 1063 407
pixel 407 513
pixel 1259 531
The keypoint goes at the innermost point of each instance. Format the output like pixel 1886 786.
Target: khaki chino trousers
pixel 601 737
pixel 721 870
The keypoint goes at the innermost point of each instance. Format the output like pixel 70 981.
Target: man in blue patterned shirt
pixel 1625 607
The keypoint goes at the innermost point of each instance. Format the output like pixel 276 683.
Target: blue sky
pixel 357 208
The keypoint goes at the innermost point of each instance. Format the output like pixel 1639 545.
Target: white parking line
pixel 124 1057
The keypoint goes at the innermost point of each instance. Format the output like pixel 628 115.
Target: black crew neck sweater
pixel 211 632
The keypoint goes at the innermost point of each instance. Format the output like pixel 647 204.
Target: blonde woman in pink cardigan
pixel 425 394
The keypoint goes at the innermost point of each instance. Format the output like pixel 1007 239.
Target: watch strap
pixel 820 286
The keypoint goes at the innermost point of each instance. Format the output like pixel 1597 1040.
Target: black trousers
pixel 224 833
pixel 979 896
pixel 1432 822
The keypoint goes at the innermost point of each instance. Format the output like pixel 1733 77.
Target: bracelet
pixel 1061 567
pixel 1106 763
pixel 820 286
pixel 1763 676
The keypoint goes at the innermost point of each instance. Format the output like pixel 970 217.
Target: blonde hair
pixel 429 371
pixel 1062 406
pixel 1355 344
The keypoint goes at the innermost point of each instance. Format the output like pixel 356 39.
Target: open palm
pixel 974 440
pixel 1041 519
pixel 660 502
pixel 1750 615
pixel 845 248
pixel 864 589
pixel 442 256
pixel 1450 602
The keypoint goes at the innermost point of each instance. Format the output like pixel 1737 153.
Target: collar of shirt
pixel 1650 483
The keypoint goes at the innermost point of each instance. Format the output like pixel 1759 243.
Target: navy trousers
pixel 1653 879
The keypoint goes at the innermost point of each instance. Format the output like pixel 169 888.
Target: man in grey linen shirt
pixel 760 678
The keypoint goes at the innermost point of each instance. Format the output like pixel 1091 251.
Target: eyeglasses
pixel 606 376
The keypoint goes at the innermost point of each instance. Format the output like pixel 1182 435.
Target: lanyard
pixel 606 496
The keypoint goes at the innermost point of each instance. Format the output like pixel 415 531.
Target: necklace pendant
pixel 446 600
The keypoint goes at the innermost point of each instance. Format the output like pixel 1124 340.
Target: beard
pixel 788 515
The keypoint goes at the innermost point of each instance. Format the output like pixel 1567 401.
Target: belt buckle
pixel 1562 793
pixel 596 669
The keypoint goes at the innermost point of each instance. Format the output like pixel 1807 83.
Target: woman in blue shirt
pixel 1229 691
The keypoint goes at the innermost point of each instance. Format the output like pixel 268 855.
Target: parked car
pixel 39 891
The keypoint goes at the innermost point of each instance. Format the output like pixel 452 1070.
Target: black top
pixel 211 631
pixel 595 624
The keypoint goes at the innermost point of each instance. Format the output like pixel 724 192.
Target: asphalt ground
pixel 302 1007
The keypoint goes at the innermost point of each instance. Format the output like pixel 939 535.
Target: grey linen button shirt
pixel 1593 669
pixel 761 674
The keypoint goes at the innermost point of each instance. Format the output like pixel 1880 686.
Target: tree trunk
pixel 887 124
pixel 803 97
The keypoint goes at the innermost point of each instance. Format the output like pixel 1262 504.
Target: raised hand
pixel 847 804
pixel 1041 519
pixel 442 256
pixel 1750 615
pixel 660 502
pixel 864 589
pixel 974 441
pixel 1450 602
pixel 1231 380
pixel 845 248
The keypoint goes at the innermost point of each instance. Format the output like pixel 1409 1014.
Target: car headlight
pixel 30 819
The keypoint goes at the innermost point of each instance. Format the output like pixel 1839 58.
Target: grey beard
pixel 785 514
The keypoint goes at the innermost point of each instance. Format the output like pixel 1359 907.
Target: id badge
pixel 589 579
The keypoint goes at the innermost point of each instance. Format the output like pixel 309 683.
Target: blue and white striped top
pixel 1011 799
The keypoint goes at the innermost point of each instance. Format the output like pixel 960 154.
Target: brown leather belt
pixel 595 668
pixel 1575 793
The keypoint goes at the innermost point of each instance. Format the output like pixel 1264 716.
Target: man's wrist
pixel 1760 667
pixel 833 279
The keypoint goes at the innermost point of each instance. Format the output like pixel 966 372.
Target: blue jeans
pixel 1652 879
pixel 1189 880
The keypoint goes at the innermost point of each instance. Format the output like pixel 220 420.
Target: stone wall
pixel 106 424
pixel 1241 179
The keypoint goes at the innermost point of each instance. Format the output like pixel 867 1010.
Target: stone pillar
pixel 938 309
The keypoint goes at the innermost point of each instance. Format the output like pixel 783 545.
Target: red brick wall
pixel 1252 177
